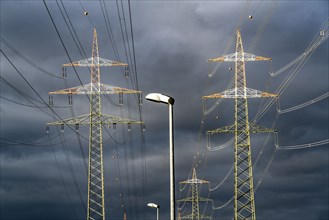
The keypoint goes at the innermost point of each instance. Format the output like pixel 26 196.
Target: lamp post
pixel 153 205
pixel 160 98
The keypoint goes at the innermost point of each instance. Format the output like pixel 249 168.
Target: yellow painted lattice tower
pixel 95 119
pixel 194 199
pixel 244 203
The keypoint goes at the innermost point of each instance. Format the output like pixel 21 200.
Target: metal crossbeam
pixel 92 62
pixel 104 120
pixel 89 89
pixel 191 217
pixel 239 56
pixel 231 129
pixel 240 93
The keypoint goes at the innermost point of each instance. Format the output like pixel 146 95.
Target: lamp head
pixel 153 205
pixel 157 97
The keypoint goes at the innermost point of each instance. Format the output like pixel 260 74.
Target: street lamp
pixel 153 205
pixel 160 98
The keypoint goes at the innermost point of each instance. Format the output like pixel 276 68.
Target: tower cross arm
pixel 241 56
pixel 81 120
pixel 240 93
pixel 187 199
pixel 109 119
pixel 95 62
pixel 191 181
pixel 103 89
pixel 260 129
pixel 231 129
pixel 202 199
pixel 190 217
pixel 74 90
pixel 218 59
pixel 226 129
pixel 104 119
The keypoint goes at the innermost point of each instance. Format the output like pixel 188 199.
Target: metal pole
pixel 171 158
pixel 160 98
pixel 158 213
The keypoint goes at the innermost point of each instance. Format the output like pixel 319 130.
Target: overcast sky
pixel 45 177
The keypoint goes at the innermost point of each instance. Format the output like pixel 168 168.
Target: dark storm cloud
pixel 32 186
pixel 173 40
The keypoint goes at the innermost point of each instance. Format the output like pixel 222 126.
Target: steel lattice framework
pixel 95 119
pixel 244 204
pixel 194 198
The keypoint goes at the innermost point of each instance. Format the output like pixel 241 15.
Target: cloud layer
pixel 173 40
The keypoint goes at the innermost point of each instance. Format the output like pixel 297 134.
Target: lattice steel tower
pixel 244 204
pixel 95 119
pixel 194 199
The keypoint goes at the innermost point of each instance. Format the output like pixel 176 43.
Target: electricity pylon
pixel 244 204
pixel 194 199
pixel 95 119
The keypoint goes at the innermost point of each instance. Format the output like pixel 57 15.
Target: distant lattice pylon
pixel 95 119
pixel 244 204
pixel 194 199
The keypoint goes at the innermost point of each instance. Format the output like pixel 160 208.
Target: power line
pixel 59 36
pixel 124 38
pixel 139 107
pixel 22 94
pixel 31 106
pixel 76 40
pixel 74 34
pixel 303 105
pixel 70 165
pixel 26 59
pixel 27 82
pixel 109 29
pixel 302 146
pixel 84 10
pixel 37 95
pixel 10 142
pixel 61 175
